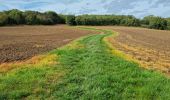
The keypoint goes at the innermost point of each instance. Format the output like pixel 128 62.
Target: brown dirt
pixel 150 47
pixel 22 42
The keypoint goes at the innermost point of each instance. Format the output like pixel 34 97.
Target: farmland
pixel 150 47
pixel 87 68
pixel 22 42
pixel 84 50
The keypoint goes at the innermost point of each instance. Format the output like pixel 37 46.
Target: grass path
pixel 88 71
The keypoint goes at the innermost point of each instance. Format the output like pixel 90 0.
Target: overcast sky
pixel 138 8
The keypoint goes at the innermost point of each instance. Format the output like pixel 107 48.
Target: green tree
pixel 44 19
pixel 31 17
pixel 168 21
pixel 15 17
pixel 52 17
pixel 3 19
pixel 158 23
pixel 70 20
pixel 62 19
pixel 146 20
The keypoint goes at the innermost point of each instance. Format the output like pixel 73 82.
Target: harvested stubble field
pixel 22 42
pixel 150 47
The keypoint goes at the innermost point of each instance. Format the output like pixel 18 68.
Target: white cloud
pixel 138 8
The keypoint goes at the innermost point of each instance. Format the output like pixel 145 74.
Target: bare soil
pixel 23 42
pixel 150 47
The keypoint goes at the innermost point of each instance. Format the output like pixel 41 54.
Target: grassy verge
pixel 87 70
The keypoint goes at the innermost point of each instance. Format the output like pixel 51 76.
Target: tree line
pixel 17 17
pixel 107 20
pixel 153 22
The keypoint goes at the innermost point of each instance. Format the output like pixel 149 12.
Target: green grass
pixel 90 72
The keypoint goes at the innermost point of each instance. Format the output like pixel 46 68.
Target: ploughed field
pixel 22 42
pixel 151 48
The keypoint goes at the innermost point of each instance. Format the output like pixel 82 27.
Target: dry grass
pixel 34 61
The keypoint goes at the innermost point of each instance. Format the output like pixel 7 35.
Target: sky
pixel 138 8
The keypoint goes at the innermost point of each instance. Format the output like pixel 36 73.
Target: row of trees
pixel 16 17
pixel 107 20
pixel 153 22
